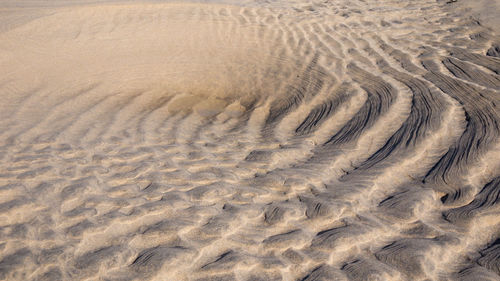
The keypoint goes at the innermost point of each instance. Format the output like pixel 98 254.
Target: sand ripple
pixel 331 140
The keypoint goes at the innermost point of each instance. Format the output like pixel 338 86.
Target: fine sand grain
pixel 250 140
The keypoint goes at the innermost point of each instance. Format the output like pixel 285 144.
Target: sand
pixel 249 140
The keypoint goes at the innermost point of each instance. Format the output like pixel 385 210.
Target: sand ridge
pixel 322 140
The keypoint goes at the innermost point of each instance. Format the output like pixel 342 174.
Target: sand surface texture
pixel 252 140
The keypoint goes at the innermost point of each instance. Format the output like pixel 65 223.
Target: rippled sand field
pixel 250 140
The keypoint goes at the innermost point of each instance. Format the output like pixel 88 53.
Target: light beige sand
pixel 324 140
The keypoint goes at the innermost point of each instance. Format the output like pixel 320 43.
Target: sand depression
pixel 329 140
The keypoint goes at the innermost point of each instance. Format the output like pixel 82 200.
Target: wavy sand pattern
pixel 259 140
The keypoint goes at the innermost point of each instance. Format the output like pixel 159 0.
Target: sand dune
pixel 249 140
